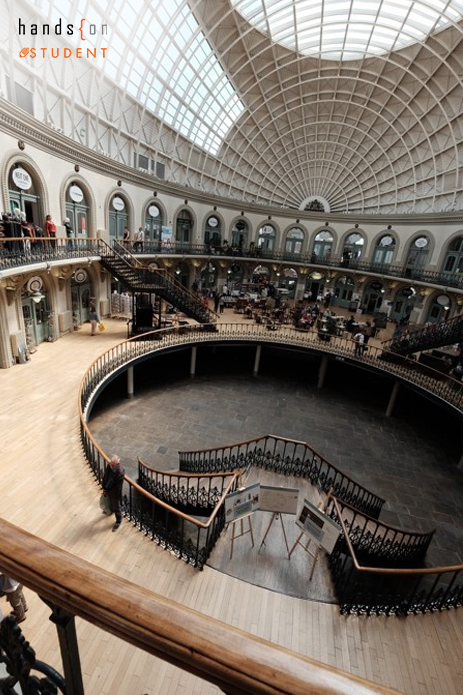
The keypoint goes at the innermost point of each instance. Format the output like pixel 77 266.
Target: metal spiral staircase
pixel 434 336
pixel 139 280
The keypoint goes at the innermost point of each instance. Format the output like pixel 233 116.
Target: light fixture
pixel 229 271
pixel 37 296
pixel 178 271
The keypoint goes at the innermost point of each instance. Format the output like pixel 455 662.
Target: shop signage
pixel 443 300
pixel 376 286
pixel 76 194
pixel 213 222
pixel 22 179
pixel 240 225
pixel 118 204
pixel 153 210
pixel 407 292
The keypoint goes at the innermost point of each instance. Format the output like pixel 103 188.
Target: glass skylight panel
pixel 391 24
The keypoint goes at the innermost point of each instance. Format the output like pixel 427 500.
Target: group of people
pixel 23 236
pixel 137 241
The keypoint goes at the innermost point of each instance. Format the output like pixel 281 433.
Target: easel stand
pixel 305 546
pixel 242 532
pixel 275 516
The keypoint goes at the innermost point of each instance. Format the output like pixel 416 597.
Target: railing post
pixel 255 371
pixel 322 371
pixel 130 387
pixel 392 399
pixel 66 628
pixel 193 361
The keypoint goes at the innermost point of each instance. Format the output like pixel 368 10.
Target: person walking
pixel 14 595
pixel 94 320
pixel 113 480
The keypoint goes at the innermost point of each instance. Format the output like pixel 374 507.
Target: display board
pixel 279 500
pixel 320 528
pixel 166 235
pixel 242 502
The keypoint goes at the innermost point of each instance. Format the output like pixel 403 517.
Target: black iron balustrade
pixel 20 251
pixel 190 493
pixel 287 457
pixel 372 590
pixel 378 543
pixel 434 336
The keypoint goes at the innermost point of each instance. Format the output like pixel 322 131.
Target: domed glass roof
pixel 348 29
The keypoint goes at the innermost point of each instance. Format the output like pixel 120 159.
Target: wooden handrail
pixel 237 662
pixel 388 570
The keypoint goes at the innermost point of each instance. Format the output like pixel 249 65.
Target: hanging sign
pixel 240 225
pixel 118 204
pixel 376 285
pixel 407 292
pixel 213 222
pixel 443 300
pixel 76 194
pixel 80 275
pixel 319 527
pixel 22 179
pixel 242 502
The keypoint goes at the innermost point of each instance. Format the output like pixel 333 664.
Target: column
pixel 193 361
pixel 322 371
pixel 257 360
pixel 130 389
pixel 392 399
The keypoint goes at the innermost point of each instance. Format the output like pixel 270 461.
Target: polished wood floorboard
pixel 48 490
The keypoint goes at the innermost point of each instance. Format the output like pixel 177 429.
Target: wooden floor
pixel 48 490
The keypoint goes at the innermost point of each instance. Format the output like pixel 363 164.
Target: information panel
pixel 320 528
pixel 242 502
pixel 279 500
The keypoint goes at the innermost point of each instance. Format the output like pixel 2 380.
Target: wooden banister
pixel 237 662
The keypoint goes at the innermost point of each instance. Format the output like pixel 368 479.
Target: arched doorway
pixel 417 255
pixel 403 304
pixel 373 297
pixel 266 238
pixel 453 262
pixel 213 232
pixel 81 297
pixel 182 273
pixel 384 251
pixel 439 309
pixel 36 312
pixel 323 245
pixel 343 293
pixel 208 277
pixel 294 242
pixel 235 276
pixel 314 287
pixel 24 194
pixel 118 217
pixel 261 275
pixel 239 236
pixel 184 227
pixel 153 223
pixel 288 282
pixel 77 209
pixel 353 248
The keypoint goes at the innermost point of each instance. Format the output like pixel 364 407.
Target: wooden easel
pixel 275 516
pixel 305 546
pixel 242 532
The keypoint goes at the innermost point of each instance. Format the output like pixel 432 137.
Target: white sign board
pixel 22 179
pixel 166 234
pixel 118 204
pixel 320 528
pixel 76 194
pixel 279 500
pixel 242 502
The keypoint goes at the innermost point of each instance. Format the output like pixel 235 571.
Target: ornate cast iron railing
pixel 159 626
pixel 378 543
pixel 436 335
pixel 191 493
pixel 369 590
pixel 18 253
pixel 288 457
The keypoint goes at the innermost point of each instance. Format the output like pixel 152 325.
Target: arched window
pixel 439 309
pixel 184 227
pixel 212 232
pixel 294 241
pixel 118 217
pixel 239 235
pixel 77 209
pixel 418 253
pixel 323 245
pixel 24 193
pixel 384 250
pixel 153 223
pixel 454 259
pixel 266 238
pixel 343 292
pixel 353 247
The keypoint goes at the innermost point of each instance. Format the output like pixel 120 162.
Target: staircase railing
pixel 196 494
pixel 286 456
pixel 377 542
pixel 235 661
pixel 17 251
pixel 368 590
pixel 436 335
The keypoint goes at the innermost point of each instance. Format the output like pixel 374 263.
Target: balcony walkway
pixel 47 489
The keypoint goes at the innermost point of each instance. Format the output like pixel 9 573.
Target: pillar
pixel 130 389
pixel 322 371
pixel 257 360
pixel 392 399
pixel 193 361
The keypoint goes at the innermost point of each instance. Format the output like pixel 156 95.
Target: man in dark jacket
pixel 113 480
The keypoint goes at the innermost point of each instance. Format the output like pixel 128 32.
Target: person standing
pixel 113 480
pixel 14 595
pixel 140 238
pixel 50 229
pixel 359 340
pixel 69 232
pixel 94 320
